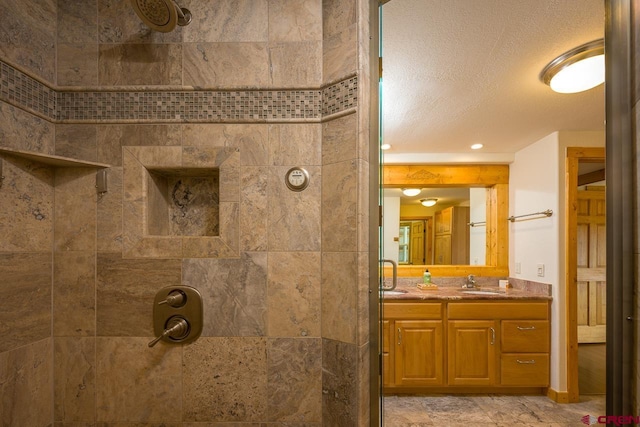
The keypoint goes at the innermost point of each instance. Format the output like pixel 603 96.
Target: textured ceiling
pixel 457 72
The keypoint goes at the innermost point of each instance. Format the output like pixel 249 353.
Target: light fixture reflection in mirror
pixel 410 192
pixel 428 202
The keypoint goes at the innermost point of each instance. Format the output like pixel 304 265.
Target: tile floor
pixel 487 410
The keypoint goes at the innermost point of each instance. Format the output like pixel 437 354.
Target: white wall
pixel 391 227
pixel 478 234
pixel 536 183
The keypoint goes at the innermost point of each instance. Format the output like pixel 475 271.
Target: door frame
pixel 573 156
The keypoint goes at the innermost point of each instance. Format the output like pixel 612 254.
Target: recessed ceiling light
pixel 385 146
pixel 411 191
pixel 477 146
pixel 428 202
pixel 577 70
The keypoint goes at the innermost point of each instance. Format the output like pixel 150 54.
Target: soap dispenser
pixel 426 277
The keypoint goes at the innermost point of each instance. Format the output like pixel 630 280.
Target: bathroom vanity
pixel 462 340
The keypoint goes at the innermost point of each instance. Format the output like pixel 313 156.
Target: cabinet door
pixel 472 352
pixel 443 250
pixel 419 353
pixel 386 356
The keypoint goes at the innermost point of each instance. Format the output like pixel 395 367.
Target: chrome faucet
pixel 470 282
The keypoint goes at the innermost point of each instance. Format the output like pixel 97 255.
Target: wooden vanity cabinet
pixel 472 352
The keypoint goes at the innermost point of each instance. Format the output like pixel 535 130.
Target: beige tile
pixel 253 221
pixel 75 209
pixel 363 225
pixel 136 383
pixel 26 376
pixel 208 157
pixel 339 139
pixel 294 294
pixel 226 65
pixel 339 383
pixel 295 144
pixel 294 217
pixel 295 21
pixel 26 206
pixel 225 379
pixel 207 247
pixel 109 214
pixel 152 247
pixel 29 36
pixel 77 64
pixel 250 139
pixel 364 384
pixel 74 379
pixel 294 380
pixel 118 23
pixel 339 296
pixel 77 21
pixel 77 141
pixel 363 301
pixel 296 65
pixel 140 64
pixel 337 15
pixel 230 179
pixel 339 206
pixel 155 157
pixel 74 293
pixel 234 292
pixel 227 21
pixel 25 308
pixel 111 139
pixel 126 290
pixel 340 55
pixel 24 131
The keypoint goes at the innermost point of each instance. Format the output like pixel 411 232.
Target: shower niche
pixel 183 202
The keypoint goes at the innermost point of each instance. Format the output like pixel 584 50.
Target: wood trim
pixel 398 176
pixel 591 177
pixel 574 155
pixel 558 396
pixel 453 389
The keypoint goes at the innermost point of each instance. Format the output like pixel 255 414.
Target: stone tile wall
pixel 284 341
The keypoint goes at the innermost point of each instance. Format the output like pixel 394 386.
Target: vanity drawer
pixel 524 369
pixel 525 336
pixel 417 311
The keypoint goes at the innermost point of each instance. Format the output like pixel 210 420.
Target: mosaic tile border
pixel 23 91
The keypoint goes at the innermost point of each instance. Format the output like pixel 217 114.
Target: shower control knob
pixel 177 328
pixel 174 299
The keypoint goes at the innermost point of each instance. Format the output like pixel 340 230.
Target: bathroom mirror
pixel 461 187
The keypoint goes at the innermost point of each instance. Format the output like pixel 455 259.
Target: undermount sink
pixel 394 292
pixel 479 292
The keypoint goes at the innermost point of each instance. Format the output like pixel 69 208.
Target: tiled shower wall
pixel 255 85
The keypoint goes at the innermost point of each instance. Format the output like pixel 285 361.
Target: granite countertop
pixel 456 292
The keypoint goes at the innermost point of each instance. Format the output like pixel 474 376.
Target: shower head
pixel 161 15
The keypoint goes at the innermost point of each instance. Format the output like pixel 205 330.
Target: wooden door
pixel 471 352
pixel 417 243
pixel 419 355
pixel 591 273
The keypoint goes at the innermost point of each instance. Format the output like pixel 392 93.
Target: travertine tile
pixel 337 15
pixel 253 221
pixel 74 379
pixel 75 209
pixel 26 376
pixel 250 139
pixel 295 21
pixel 24 131
pixel 226 65
pixel 111 139
pixel 295 144
pixel 74 293
pixel 136 383
pixel 118 23
pixel 29 35
pixel 363 298
pixel 294 379
pixel 339 206
pixel 25 308
pixel 227 21
pixel 340 55
pixel 155 157
pixel 26 206
pixel 339 139
pixel 296 65
pixel 225 379
pixel 77 64
pixel 364 384
pixel 77 21
pixel 109 207
pixel 77 141
pixel 125 293
pixel 140 64
pixel 339 296
pixel 294 217
pixel 234 292
pixel 363 225
pixel 294 294
pixel 339 383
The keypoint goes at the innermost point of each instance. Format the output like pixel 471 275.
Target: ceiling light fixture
pixel 577 70
pixel 410 192
pixel 428 202
pixel 385 146
pixel 477 146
